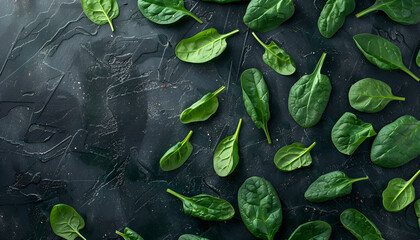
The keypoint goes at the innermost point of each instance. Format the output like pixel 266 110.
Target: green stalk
pixel 359 179
pixel 193 16
pixel 320 63
pixel 413 178
pixel 219 90
pixel 80 235
pixel 187 138
pixel 120 233
pixel 259 40
pixel 310 147
pixel 372 8
pixel 398 98
pixel 406 70
pixel 176 194
pixel 238 128
pixel 231 33
pixel 267 134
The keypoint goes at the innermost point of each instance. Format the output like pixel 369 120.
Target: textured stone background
pixel 86 114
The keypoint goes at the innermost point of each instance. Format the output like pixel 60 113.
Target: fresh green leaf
pixel 260 208
pixel 226 155
pixel 266 15
pixel 191 237
pixel 292 157
pixel 349 132
pixel 277 58
pixel 400 11
pixel 359 225
pixel 371 96
pixel 129 234
pixel 399 194
pixel 202 47
pixel 177 155
pixel 66 222
pixel 222 1
pixel 309 97
pixel 315 230
pixel 164 11
pixel 205 207
pixel 101 11
pixel 256 99
pixel 202 109
pixel 418 59
pixel 381 52
pixel 333 16
pixel 417 209
pixel 397 143
pixel 329 186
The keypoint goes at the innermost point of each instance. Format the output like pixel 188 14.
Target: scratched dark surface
pixel 86 114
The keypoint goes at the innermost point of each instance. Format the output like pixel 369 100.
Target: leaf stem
pixel 231 33
pixel 239 127
pixel 219 90
pixel 80 235
pixel 267 134
pixel 120 233
pixel 406 70
pixel 176 194
pixel 193 16
pixel 258 40
pixel 310 147
pixel 398 98
pixel 367 10
pixel 320 63
pixel 413 178
pixel 359 179
pixel 187 137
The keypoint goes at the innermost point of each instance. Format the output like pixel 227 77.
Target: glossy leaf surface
pixel 66 222
pixel 333 16
pixel 400 11
pixel 359 225
pixel 315 230
pixel 164 11
pixel 129 234
pixel 417 210
pixel 191 237
pixel 294 156
pixel 177 155
pixel 101 11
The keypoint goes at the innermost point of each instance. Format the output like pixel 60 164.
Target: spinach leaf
pixel 164 11
pixel 349 132
pixel 329 186
pixel 417 209
pixel 315 230
pixel 266 15
pixel 256 98
pixel 191 237
pixel 222 1
pixel 371 96
pixel 292 157
pixel 202 109
pixel 399 194
pixel 260 208
pixel 418 59
pixel 202 47
pixel 400 11
pixel 277 58
pixel 177 155
pixel 101 11
pixel 359 225
pixel 309 97
pixel 333 15
pixel 66 222
pixel 129 234
pixel 205 207
pixel 381 52
pixel 226 155
pixel 397 143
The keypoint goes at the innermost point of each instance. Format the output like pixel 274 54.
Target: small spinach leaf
pixel 371 96
pixel 205 207
pixel 309 97
pixel 266 15
pixel 349 132
pixel 417 209
pixel 329 186
pixel 277 58
pixel 164 11
pixel 226 155
pixel 315 230
pixel 66 222
pixel 129 234
pixel 292 157
pixel 260 208
pixel 202 109
pixel 400 11
pixel 381 52
pixel 202 47
pixel 256 98
pixel 177 155
pixel 418 59
pixel 101 11
pixel 397 143
pixel 333 15
pixel 191 237
pixel 359 225
pixel 399 194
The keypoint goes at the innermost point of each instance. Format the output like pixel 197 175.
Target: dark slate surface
pixel 86 114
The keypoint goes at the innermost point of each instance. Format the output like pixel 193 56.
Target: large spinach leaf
pixel 349 132
pixel 359 225
pixel 129 234
pixel 381 52
pixel 177 155
pixel 370 95
pixel 202 109
pixel 333 16
pixel 202 47
pixel 401 11
pixel 399 193
pixel 329 186
pixel 260 208
pixel 226 155
pixel 397 143
pixel 309 97
pixel 66 222
pixel 164 11
pixel 191 237
pixel 205 207
pixel 292 157
pixel 101 11
pixel 266 15
pixel 417 209
pixel 277 58
pixel 256 98
pixel 315 230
